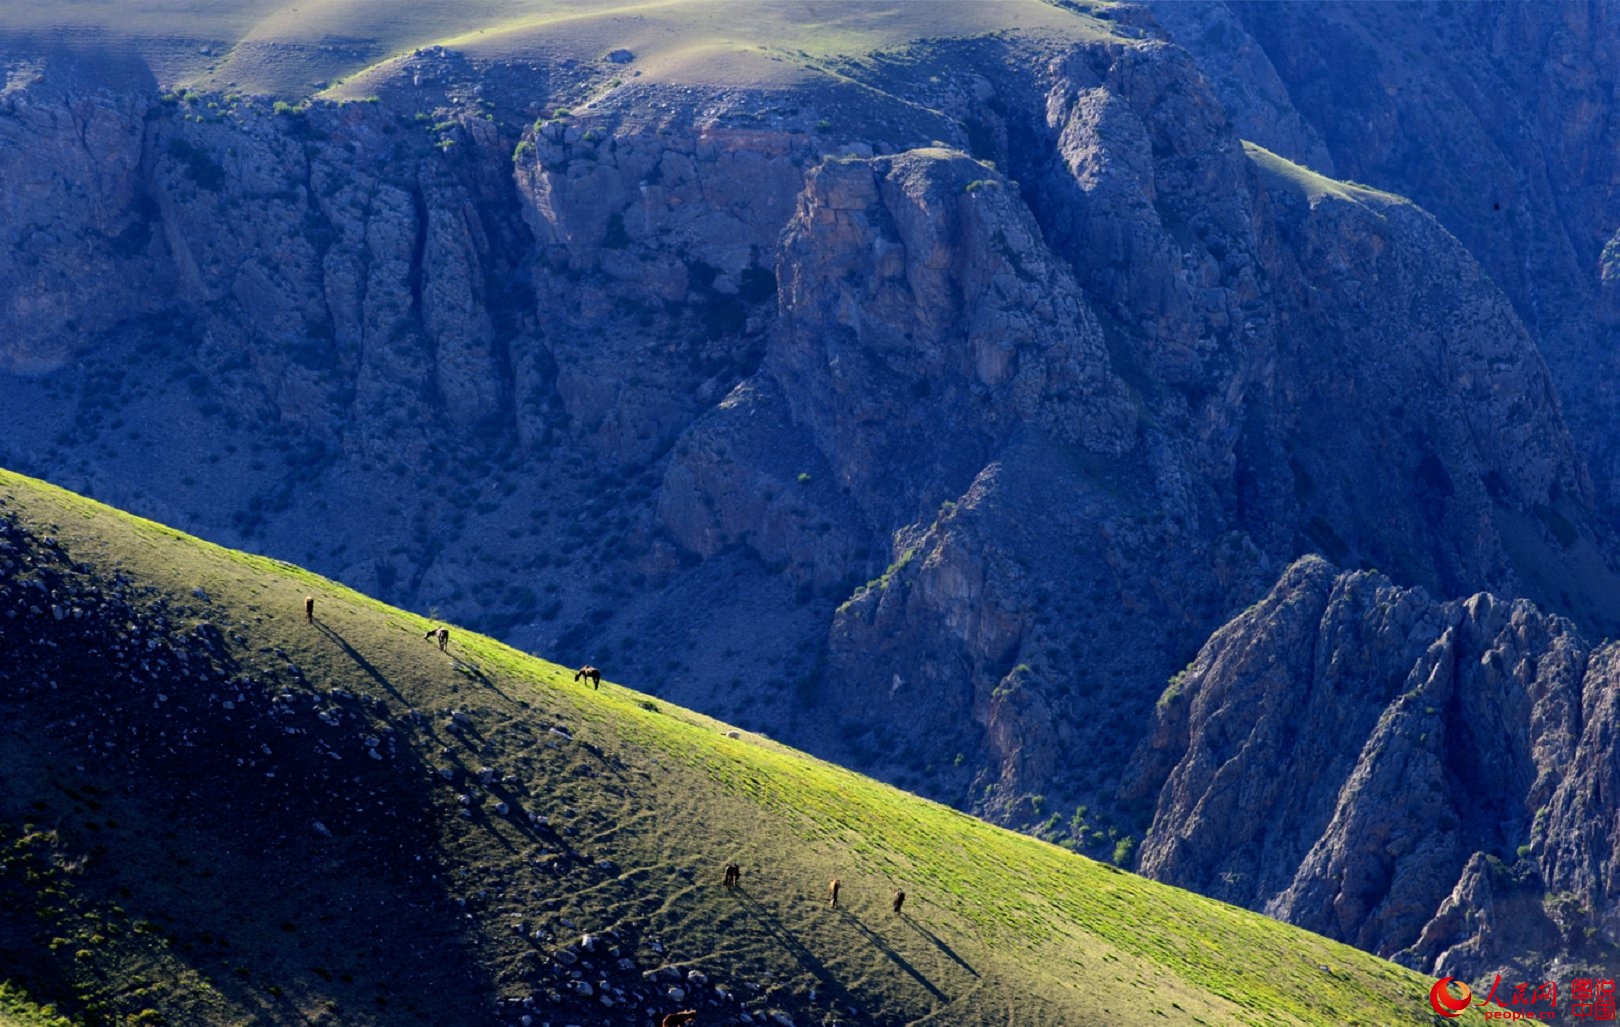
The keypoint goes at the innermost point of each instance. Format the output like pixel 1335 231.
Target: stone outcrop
pixel 1412 776
pixel 75 207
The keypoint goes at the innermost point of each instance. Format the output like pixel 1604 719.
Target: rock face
pixel 66 139
pixel 1418 778
pixel 1494 120
pixel 929 414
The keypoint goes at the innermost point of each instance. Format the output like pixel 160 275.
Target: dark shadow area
pixel 87 61
pixel 883 946
pixel 945 950
pixel 213 818
pixel 520 815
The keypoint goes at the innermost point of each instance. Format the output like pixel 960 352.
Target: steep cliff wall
pixel 1498 120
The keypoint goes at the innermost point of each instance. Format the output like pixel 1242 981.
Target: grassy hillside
pixel 298 47
pixel 212 812
pixel 1315 185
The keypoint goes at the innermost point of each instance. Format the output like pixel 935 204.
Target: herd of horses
pixel 733 873
pixel 441 634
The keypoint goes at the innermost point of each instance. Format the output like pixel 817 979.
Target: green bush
pixel 1124 849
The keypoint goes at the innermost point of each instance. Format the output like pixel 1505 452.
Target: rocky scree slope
pixel 931 411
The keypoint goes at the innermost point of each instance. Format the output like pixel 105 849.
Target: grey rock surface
pixel 1414 777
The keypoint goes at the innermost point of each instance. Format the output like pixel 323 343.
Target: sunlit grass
pixel 299 47
pixel 999 927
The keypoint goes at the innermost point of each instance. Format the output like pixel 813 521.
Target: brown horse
pixel 594 676
pixel 832 892
pixel 442 634
pixel 676 1019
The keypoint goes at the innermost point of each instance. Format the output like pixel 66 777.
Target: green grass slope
pixel 212 812
pixel 1314 185
pixel 298 47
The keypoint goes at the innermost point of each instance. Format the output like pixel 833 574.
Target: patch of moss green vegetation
pixel 427 834
pixel 17 1011
pixel 1315 185
pixel 297 48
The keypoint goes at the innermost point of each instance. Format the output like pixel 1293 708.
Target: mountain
pixel 214 811
pixel 925 384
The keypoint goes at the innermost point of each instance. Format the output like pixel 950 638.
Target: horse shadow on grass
pixel 360 661
pixel 476 673
pixel 778 932
pixel 945 950
pixel 882 945
pixel 517 819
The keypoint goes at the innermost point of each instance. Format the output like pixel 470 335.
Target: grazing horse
pixel 442 634
pixel 832 892
pixel 594 676
pixel 676 1019
pixel 899 899
pixel 733 876
pixel 309 609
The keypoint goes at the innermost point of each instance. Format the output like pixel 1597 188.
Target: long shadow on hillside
pixel 807 959
pixel 521 810
pixel 945 950
pixel 360 661
pixel 476 672
pixel 882 945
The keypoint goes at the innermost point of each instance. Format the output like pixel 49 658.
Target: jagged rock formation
pixel 1022 332
pixel 1418 778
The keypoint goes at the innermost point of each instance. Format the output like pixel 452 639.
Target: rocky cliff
pixel 1416 777
pixel 1496 120
pixel 928 405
